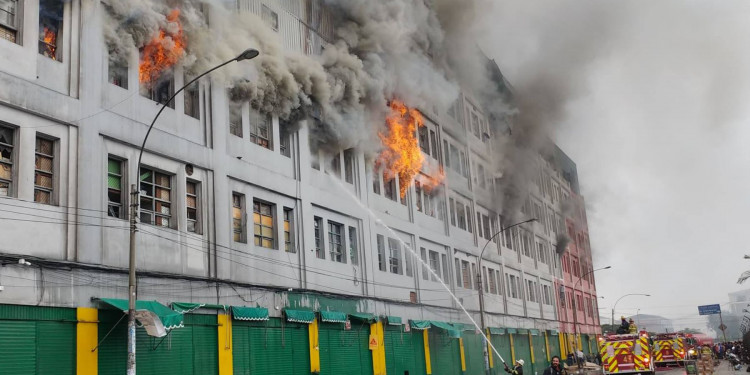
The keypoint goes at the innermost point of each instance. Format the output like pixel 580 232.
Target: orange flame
pixel 50 42
pixel 163 52
pixel 401 156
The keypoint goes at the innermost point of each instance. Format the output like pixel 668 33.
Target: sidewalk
pixel 724 368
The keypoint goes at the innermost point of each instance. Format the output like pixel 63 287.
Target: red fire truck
pixel 627 353
pixel 671 348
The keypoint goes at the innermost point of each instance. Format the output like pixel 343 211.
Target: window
pixel 401 186
pixel 44 170
pixel 263 228
pixel 512 280
pixel 418 191
pixel 349 165
pixel 466 274
pixel 260 129
pixel 446 154
pixel 192 98
pixel 114 188
pixel 482 178
pixel 446 274
pixel 381 252
pixel 407 262
pixel 319 253
pixel 156 198
pixel 461 215
pixel 285 139
pixel 117 72
pixel 9 20
pixel 335 166
pixel 474 276
pixel 192 206
pixel 463 162
pixel 161 89
pixel 376 182
pixel 235 119
pixel 425 271
pixel 469 224
pixel 485 280
pixel 270 17
pixel 493 282
pixel 487 228
pixel 434 144
pixel 424 142
pixel 288 237
pixel 394 260
pixel 6 158
pixel 50 28
pixel 389 187
pixel 238 218
pixel 353 239
pixel 335 241
pixel 435 264
pixel 530 295
pixel 452 205
pixel 459 279
pixel 546 295
pixel 455 162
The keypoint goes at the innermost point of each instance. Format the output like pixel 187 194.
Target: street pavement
pixel 722 369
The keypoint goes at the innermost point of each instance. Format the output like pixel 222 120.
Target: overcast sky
pixel 651 100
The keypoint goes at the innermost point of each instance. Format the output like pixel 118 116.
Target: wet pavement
pixel 722 369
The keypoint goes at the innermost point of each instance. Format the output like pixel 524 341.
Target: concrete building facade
pixel 234 210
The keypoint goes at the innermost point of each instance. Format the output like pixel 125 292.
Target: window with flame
pixel 44 178
pixel 160 90
pixel 51 28
pixel 156 198
pixel 9 20
pixel 6 160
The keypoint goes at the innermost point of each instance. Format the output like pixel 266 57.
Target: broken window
pixel 418 191
pixel 270 17
pixel 9 20
pixel 424 142
pixel 434 144
pixel 51 28
pixel 117 72
pixel 192 98
pixel 161 90
pixel 156 198
pixel 285 138
pixel 376 182
pixel 349 165
pixel 114 188
pixel 6 160
pixel 235 119
pixel 44 179
pixel 260 129
pixel 389 187
pixel 335 166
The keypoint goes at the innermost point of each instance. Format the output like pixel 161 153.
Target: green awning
pixel 420 324
pixel 167 317
pixel 365 317
pixel 497 331
pixel 534 332
pixel 394 320
pixel 447 327
pixel 511 330
pixel 299 316
pixel 552 332
pixel 523 331
pixel 250 313
pixel 464 326
pixel 187 307
pixel 333 317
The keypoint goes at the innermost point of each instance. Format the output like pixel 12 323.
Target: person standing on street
pixel 556 368
pixel 517 369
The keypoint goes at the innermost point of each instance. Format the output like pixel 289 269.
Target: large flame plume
pixel 401 156
pixel 164 51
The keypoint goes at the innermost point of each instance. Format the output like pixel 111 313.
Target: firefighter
pixel 624 326
pixel 632 328
pixel 517 369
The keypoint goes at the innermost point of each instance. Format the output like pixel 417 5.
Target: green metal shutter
pixel 271 347
pixel 404 351
pixel 18 347
pixel 37 340
pixel 586 344
pixel 523 350
pixel 205 343
pixel 112 349
pixel 554 346
pixel 473 353
pixel 540 353
pixel 56 347
pixel 345 352
pixel 502 345
pixel 444 353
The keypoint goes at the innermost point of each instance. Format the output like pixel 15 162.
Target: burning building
pixel 321 191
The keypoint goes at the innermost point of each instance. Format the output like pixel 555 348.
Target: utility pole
pixel 723 327
pixel 131 280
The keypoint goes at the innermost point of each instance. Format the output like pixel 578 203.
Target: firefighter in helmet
pixel 624 326
pixel 632 328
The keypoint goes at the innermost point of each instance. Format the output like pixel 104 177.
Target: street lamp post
pixel 575 301
pixel 135 197
pixel 481 287
pixel 618 300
